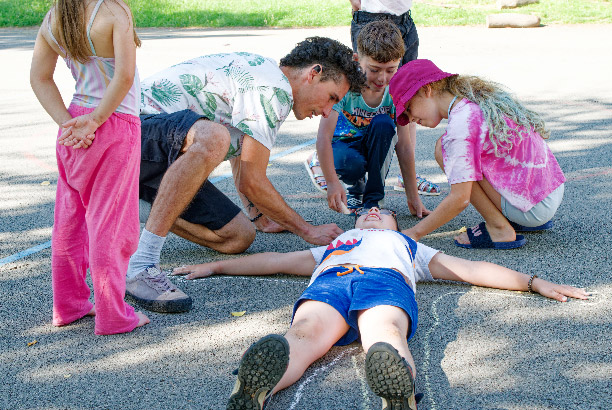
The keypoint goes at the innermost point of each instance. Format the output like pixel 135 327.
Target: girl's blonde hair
pixel 496 104
pixel 71 24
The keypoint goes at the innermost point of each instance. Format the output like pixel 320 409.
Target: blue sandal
pixel 424 187
pixel 480 239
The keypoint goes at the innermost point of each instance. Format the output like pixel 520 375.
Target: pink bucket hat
pixel 407 81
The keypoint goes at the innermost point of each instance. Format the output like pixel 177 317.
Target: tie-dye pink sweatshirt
pixel 524 175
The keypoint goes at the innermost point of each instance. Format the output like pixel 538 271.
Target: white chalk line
pixel 364 388
pixel 429 395
pixel 300 390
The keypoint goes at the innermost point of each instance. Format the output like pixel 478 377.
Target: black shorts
pixel 162 138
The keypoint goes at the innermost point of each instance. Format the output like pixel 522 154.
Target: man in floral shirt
pixel 201 112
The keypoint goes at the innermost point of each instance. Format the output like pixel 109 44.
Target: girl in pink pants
pixel 96 210
pixel 96 224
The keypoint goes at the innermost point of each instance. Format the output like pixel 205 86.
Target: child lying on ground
pixel 362 286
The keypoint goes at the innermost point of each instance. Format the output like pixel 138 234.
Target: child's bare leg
pixel 390 368
pixel 316 327
pixel 487 202
pixel 388 324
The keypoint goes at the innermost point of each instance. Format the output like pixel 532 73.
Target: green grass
pixel 306 13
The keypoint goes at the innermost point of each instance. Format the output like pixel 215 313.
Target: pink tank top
pixel 93 77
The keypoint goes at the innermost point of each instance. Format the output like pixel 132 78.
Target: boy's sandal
pixel 390 377
pixel 424 187
pixel 480 239
pixel 318 180
pixel 520 228
pixel 261 368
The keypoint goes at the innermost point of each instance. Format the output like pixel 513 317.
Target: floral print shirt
pixel 245 92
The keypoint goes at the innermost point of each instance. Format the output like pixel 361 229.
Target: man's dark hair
pixel 335 58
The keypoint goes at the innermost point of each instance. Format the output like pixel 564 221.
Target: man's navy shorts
pixel 162 138
pixel 350 293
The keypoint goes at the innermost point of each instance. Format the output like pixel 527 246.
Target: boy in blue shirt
pixel 359 135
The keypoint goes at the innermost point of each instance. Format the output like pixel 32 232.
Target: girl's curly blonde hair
pixel 497 105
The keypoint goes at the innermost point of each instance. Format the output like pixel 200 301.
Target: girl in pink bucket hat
pixel 492 152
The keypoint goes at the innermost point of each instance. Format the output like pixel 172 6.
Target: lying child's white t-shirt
pixel 377 248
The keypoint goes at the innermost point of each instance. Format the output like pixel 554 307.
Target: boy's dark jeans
pixel 371 153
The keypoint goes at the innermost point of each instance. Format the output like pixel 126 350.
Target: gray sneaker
pixel 153 291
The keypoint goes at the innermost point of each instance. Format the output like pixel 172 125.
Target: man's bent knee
pixel 235 237
pixel 207 138
pixel 239 234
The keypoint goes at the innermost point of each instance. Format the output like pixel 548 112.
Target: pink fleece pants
pixel 96 224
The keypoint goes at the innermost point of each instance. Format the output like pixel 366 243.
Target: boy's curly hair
pixel 381 41
pixel 335 58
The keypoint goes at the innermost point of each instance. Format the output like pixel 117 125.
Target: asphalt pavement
pixel 475 348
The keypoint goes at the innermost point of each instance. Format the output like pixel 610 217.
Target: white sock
pixel 147 254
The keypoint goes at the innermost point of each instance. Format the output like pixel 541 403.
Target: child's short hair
pixel 381 41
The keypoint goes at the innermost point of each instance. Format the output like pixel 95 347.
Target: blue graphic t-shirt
pixel 354 115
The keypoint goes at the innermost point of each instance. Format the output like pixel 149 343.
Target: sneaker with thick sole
pixel 390 377
pixel 261 368
pixel 152 290
pixel 353 201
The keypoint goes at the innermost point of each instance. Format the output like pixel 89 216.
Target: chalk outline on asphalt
pixel 429 395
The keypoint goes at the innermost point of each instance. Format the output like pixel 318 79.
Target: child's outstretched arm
pixel 450 207
pixel 336 195
pixel 124 50
pixel 299 263
pixel 405 155
pixel 494 276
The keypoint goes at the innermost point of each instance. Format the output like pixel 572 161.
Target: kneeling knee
pixel 210 139
pixel 240 242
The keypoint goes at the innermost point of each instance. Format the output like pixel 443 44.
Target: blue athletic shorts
pixel 350 293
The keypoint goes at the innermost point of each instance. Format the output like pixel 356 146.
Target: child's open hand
pixel 558 292
pixel 79 132
pixel 202 270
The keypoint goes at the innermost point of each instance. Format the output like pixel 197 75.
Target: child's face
pixel 422 108
pixel 374 219
pixel 377 74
